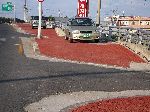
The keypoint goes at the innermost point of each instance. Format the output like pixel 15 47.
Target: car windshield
pixel 81 22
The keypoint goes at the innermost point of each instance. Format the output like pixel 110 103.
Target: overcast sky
pixel 69 7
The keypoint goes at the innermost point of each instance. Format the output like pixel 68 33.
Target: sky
pixel 69 7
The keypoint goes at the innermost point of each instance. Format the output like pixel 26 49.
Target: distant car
pixel 50 24
pixel 58 24
pixel 81 29
pixel 63 25
pixel 35 22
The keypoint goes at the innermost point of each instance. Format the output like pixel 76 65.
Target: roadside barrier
pixel 138 40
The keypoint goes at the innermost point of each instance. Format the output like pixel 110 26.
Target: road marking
pixel 16 44
pixel 2 39
pixel 57 103
pixel 13 37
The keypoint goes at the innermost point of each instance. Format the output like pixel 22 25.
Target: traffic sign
pixel 83 8
pixel 7 7
pixel 40 0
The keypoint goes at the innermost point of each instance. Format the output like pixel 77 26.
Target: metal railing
pixel 128 34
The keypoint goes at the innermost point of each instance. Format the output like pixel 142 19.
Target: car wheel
pixel 44 27
pixel 66 38
pixel 96 40
pixel 32 27
pixel 70 40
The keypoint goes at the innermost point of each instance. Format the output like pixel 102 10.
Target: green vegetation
pixel 50 18
pixel 10 20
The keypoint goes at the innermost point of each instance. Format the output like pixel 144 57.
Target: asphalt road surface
pixel 24 81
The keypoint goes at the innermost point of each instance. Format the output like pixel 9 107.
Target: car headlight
pixel 76 32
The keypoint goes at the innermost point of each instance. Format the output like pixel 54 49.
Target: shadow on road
pixel 65 75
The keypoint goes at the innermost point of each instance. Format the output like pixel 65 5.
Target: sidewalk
pixel 105 54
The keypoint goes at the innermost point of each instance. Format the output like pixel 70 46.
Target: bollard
pixel 20 49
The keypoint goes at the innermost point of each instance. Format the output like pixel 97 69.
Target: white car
pixel 35 22
pixel 81 29
pixel 50 24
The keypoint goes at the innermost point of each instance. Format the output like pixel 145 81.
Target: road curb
pixel 64 102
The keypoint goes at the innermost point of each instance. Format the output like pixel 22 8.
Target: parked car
pixel 63 25
pixel 57 24
pixel 50 24
pixel 81 29
pixel 35 22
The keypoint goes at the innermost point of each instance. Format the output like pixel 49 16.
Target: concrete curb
pixel 63 102
pixel 140 66
pixel 138 49
pixel 59 32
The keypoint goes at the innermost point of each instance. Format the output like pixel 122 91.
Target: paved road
pixel 24 80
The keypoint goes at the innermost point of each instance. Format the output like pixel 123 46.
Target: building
pixel 131 21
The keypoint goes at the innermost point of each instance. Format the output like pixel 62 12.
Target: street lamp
pixel 98 13
pixel 59 13
pixel 25 10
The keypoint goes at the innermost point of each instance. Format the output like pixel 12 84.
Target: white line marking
pixel 16 44
pixel 13 37
pixel 3 39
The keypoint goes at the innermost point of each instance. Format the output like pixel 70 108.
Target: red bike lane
pixel 105 54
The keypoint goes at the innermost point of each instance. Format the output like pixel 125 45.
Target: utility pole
pixel 98 13
pixel 40 21
pixel 40 18
pixel 59 13
pixel 25 11
pixel 14 14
